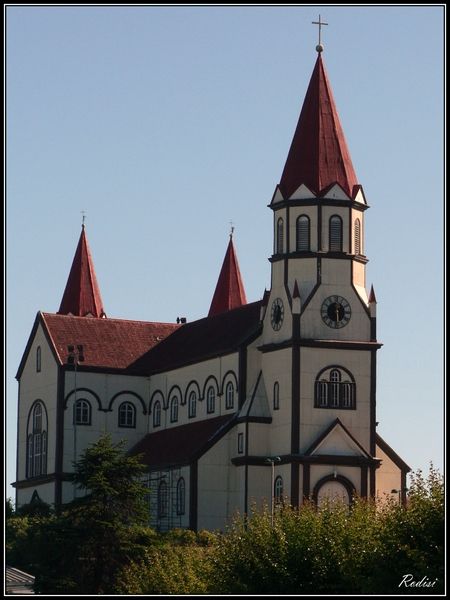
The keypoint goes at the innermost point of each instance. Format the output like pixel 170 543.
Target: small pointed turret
pixel 81 296
pixel 296 302
pixel 372 297
pixel 229 291
pixel 318 156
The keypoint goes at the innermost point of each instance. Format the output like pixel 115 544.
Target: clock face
pixel 277 314
pixel 336 312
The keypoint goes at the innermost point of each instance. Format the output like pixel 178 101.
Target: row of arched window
pixel 163 498
pixel 303 235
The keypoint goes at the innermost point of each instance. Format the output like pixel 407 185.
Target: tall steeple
pixel 318 156
pixel 82 297
pixel 229 291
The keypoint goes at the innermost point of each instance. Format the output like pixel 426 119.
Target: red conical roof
pixel 229 291
pixel 318 156
pixel 82 294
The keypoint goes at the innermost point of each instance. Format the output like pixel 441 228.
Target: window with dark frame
pixel 127 415
pixel 280 236
pixel 36 443
pixel 157 414
pixel 210 400
pixel 335 234
pixel 174 409
pixel 276 396
pixel 278 490
pixel 336 391
pixel 192 405
pixel 303 233
pixel 229 396
pixel 38 359
pixel 240 443
pixel 82 410
pixel 181 496
pixel 163 500
pixel 357 236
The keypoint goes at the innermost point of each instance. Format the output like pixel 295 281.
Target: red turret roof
pixel 229 291
pixel 82 295
pixel 318 156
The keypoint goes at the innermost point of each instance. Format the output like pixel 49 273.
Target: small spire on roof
pixel 319 46
pixel 296 293
pixel 229 292
pixel 372 297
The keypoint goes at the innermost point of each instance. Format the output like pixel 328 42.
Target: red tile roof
pixel 318 156
pixel 229 291
pixel 82 293
pixel 202 339
pixel 180 445
pixel 107 343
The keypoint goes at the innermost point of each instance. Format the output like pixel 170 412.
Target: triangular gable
pixel 38 321
pixel 384 446
pixel 302 193
pixel 358 194
pixel 256 405
pixel 277 196
pixel 335 192
pixel 336 440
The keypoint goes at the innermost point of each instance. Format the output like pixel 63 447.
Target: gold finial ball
pixel 319 48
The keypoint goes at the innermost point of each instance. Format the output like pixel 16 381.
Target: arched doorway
pixel 333 489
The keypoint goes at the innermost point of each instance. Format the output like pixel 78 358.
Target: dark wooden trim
pixel 373 329
pixel 337 422
pixel 373 401
pixel 350 232
pixel 318 202
pixel 248 419
pixel 295 388
pixel 59 441
pixel 331 255
pixel 318 459
pixel 306 481
pixel 34 481
pixel 131 393
pixel 403 488
pixel 79 390
pixel 295 483
pixel 399 462
pixel 193 496
pixel 372 482
pixel 319 227
pixel 310 343
pixel 242 376
pixel 247 429
pixel 363 482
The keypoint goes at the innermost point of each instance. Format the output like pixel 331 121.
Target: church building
pixel 254 404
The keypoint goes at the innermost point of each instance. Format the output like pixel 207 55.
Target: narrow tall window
pixel 181 496
pixel 163 500
pixel 192 404
pixel 82 414
pixel 335 378
pixel 346 394
pixel 127 415
pixel 335 233
pixel 322 393
pixel 240 443
pixel 276 396
pixel 38 359
pixel 229 396
pixel 210 400
pixel 278 490
pixel 303 234
pixel 357 236
pixel 157 414
pixel 174 409
pixel 37 442
pixel 280 236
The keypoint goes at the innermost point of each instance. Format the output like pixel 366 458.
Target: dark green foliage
pixel 365 550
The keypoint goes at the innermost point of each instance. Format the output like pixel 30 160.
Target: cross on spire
pixel 232 229
pixel 83 212
pixel 319 46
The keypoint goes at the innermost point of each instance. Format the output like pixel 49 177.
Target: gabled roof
pixel 384 446
pixel 202 339
pixel 180 445
pixel 107 343
pixel 229 291
pixel 82 294
pixel 318 156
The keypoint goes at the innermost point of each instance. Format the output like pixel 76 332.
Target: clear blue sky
pixel 166 123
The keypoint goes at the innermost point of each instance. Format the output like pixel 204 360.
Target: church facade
pixel 255 403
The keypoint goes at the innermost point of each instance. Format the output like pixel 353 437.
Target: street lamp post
pixel 272 460
pixel 75 356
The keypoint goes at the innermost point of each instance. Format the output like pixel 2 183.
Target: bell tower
pixel 320 323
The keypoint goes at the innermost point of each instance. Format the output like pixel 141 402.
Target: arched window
pixel 335 234
pixel 337 390
pixel 357 236
pixel 280 236
pixel 181 496
pixel 127 415
pixel 210 400
pixel 276 396
pixel 174 409
pixel 303 234
pixel 38 359
pixel 82 412
pixel 157 414
pixel 229 396
pixel 163 500
pixel 37 442
pixel 192 404
pixel 278 490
